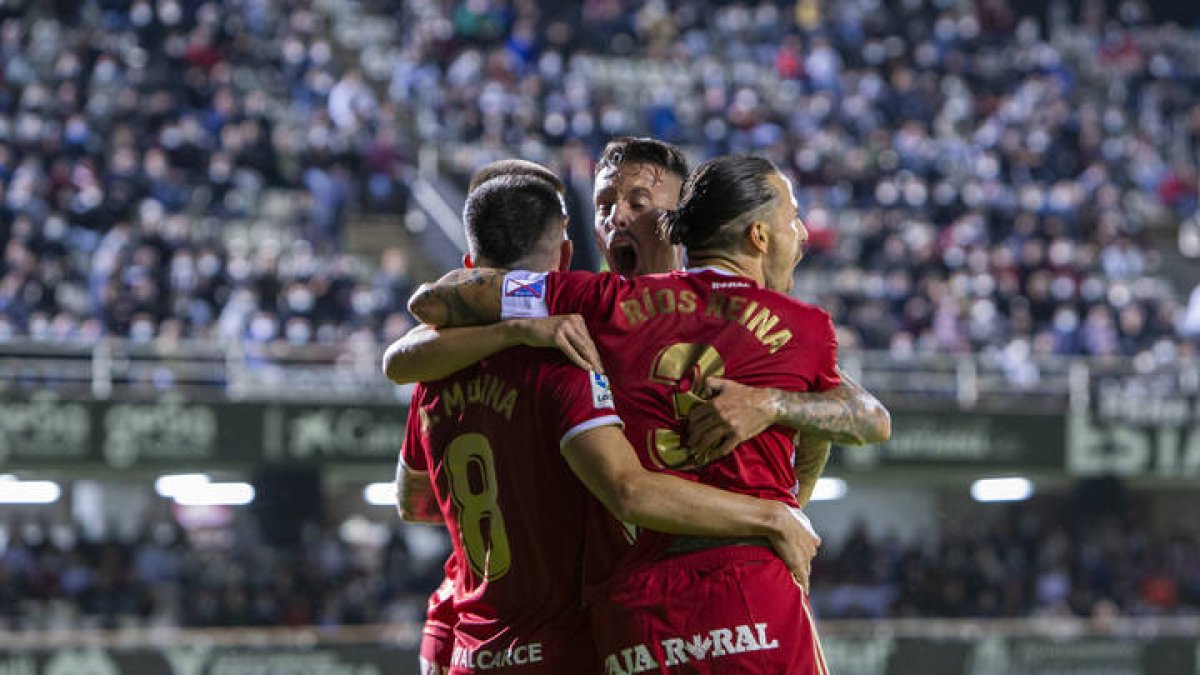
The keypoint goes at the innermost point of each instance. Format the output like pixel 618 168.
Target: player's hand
pixel 735 414
pixel 567 332
pixel 796 543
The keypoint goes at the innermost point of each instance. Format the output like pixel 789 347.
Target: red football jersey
pixel 660 335
pixel 490 435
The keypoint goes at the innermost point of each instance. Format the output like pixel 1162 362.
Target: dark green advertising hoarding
pixel 964 439
pixel 47 431
pixel 1115 435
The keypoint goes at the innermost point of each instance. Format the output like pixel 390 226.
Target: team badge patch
pixel 517 288
pixel 602 396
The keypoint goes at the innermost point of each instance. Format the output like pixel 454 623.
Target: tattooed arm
pixel 466 297
pixel 848 414
pixel 811 455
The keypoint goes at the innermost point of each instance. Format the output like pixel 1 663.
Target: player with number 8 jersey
pixel 483 438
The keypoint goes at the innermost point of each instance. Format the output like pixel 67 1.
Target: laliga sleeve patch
pixel 602 396
pixel 524 296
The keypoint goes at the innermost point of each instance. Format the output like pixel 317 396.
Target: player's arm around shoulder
pixel 608 466
pixel 426 353
pixel 465 297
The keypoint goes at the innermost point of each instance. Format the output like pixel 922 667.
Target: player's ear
pixel 468 262
pixel 565 252
pixel 757 236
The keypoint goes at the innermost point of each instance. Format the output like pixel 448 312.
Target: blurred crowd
pixel 1026 562
pixel 52 576
pixel 975 180
pixel 135 136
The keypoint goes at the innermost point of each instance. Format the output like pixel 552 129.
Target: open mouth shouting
pixel 623 255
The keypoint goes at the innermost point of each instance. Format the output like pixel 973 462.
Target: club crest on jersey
pixel 602 396
pixel 516 288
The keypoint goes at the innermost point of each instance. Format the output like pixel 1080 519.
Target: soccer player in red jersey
pixel 458 349
pixel 700 605
pixel 488 436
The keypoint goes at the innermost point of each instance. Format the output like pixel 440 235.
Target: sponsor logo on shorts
pixel 699 647
pixel 602 396
pixel 487 659
pixel 517 288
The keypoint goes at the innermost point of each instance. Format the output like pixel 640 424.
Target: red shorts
pixel 726 610
pixel 544 651
pixel 437 637
pixel 436 648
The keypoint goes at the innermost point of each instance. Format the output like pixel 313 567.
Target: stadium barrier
pixel 1117 431
pixel 902 647
pixel 202 370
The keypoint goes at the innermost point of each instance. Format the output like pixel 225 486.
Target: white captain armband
pixel 524 296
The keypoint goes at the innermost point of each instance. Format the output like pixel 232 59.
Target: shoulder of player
pixel 794 309
pixel 583 276
pixel 807 310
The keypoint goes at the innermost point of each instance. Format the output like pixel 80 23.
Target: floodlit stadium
pixel 213 216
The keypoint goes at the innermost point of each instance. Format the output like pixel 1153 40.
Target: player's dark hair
pixel 720 198
pixel 631 150
pixel 514 167
pixel 506 216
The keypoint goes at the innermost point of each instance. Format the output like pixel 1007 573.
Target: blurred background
pixel 212 213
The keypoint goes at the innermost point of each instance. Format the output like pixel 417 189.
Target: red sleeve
pixel 820 340
pixel 583 400
pixel 588 293
pixel 809 360
pixel 412 453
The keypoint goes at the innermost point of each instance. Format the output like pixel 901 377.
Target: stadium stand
pixel 974 181
pixel 184 171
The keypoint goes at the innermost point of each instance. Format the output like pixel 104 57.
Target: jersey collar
pixel 722 272
pixel 711 268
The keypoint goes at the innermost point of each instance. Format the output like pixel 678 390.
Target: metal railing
pixel 121 369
